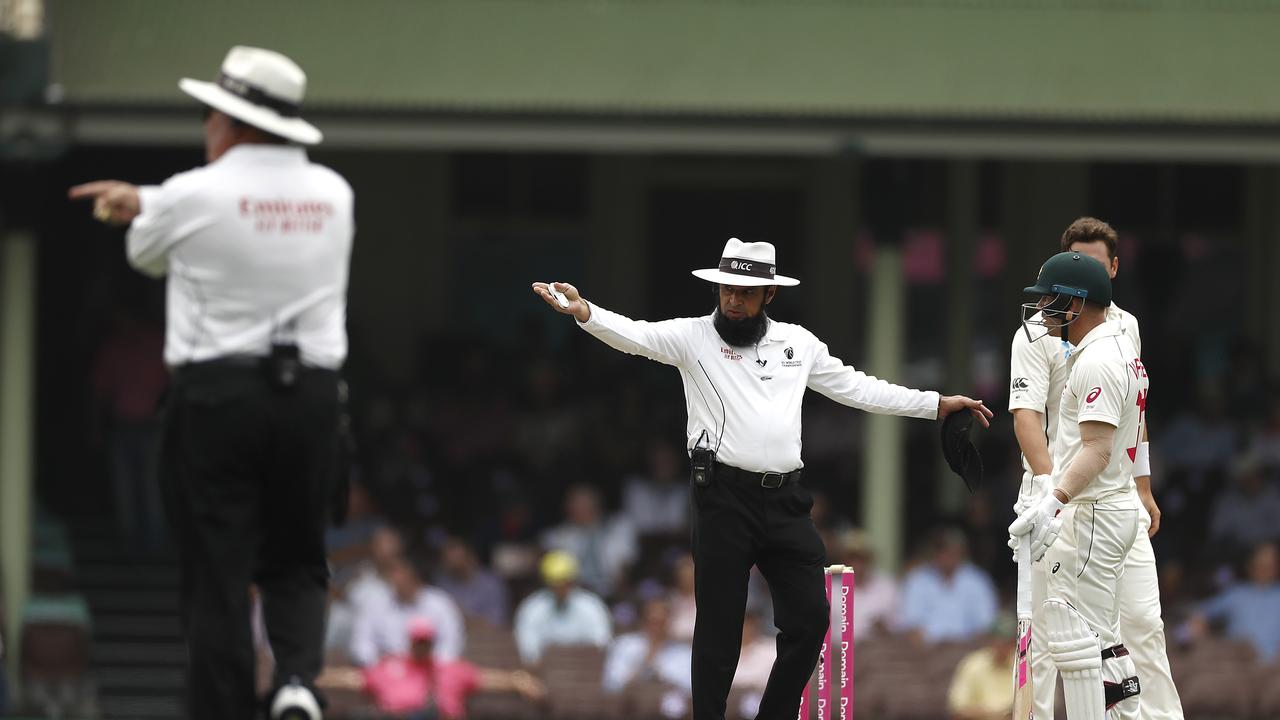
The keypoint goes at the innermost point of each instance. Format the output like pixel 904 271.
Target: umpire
pixel 256 245
pixel 744 378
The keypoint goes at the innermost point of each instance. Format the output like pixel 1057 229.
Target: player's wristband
pixel 1142 460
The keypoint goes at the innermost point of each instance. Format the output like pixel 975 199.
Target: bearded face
pixel 740 317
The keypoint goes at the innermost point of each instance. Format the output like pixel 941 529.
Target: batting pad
pixel 1078 655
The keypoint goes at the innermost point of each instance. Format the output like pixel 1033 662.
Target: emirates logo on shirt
pixel 276 215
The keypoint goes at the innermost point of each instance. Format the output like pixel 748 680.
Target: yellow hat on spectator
pixel 559 567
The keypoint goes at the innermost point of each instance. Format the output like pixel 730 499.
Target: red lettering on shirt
pixel 1137 368
pixel 284 216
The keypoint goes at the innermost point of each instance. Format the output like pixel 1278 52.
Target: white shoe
pixel 295 702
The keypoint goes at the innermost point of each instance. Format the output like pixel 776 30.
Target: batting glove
pixel 1041 523
pixel 1025 501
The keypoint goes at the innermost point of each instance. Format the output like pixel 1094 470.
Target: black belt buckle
pixel 765 482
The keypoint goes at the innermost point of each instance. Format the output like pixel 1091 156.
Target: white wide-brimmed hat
pixel 262 88
pixel 746 264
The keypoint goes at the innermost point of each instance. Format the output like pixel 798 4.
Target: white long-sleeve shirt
pixel 257 246
pixel 382 626
pixel 541 621
pixel 748 400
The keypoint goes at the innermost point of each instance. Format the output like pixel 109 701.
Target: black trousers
pixel 247 472
pixel 737 524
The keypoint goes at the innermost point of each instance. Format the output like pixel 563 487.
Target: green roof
pixel 1183 61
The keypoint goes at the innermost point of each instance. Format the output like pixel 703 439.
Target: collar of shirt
pixel 260 153
pixel 1106 329
pixel 777 332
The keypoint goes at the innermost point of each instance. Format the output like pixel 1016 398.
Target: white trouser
pixel 1141 629
pixel 1084 569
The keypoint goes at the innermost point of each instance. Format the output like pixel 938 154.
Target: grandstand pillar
pixel 883 479
pixel 830 292
pixel 17 417
pixel 1262 262
pixel 616 253
pixel 962 232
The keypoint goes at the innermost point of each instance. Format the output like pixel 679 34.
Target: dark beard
pixel 741 333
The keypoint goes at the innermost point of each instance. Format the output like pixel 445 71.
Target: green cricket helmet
pixel 1064 277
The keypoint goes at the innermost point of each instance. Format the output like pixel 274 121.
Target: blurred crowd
pixel 522 497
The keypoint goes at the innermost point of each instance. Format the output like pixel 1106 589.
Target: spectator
pixel 348 544
pixel 875 595
pixel 560 613
pixel 658 502
pixel 371 584
pixel 1249 611
pixel 129 379
pixel 1245 514
pixel 380 625
pixel 421 685
pixel 758 653
pixel 980 685
pixel 603 548
pixel 650 653
pixel 684 609
pixel 1199 440
pixel 1265 443
pixel 754 664
pixel 477 591
pixel 948 598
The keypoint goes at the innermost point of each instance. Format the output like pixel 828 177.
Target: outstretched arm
pixel 667 342
pixel 151 234
pixel 519 681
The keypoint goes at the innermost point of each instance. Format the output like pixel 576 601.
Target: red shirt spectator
pixel 402 684
pixel 420 684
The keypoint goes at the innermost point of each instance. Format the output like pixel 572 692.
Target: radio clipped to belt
pixel 703 462
pixel 283 366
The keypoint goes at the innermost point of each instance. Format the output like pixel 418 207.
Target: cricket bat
pixel 1022 707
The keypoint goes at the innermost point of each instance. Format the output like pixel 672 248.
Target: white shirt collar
pixel 263 152
pixel 1106 329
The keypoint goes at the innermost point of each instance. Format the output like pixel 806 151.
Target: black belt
pixel 235 362
pixel 769 480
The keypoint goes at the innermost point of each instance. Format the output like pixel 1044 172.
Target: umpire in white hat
pixel 256 247
pixel 745 376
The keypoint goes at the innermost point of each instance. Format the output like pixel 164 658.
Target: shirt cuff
pixel 593 321
pixel 1027 405
pixel 1097 417
pixel 148 195
pixel 934 398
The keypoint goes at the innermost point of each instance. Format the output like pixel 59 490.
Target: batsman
pixel 1085 522
pixel 745 376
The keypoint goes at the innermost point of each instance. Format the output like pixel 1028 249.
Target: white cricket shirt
pixel 1038 372
pixel 748 400
pixel 257 247
pixel 1107 383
